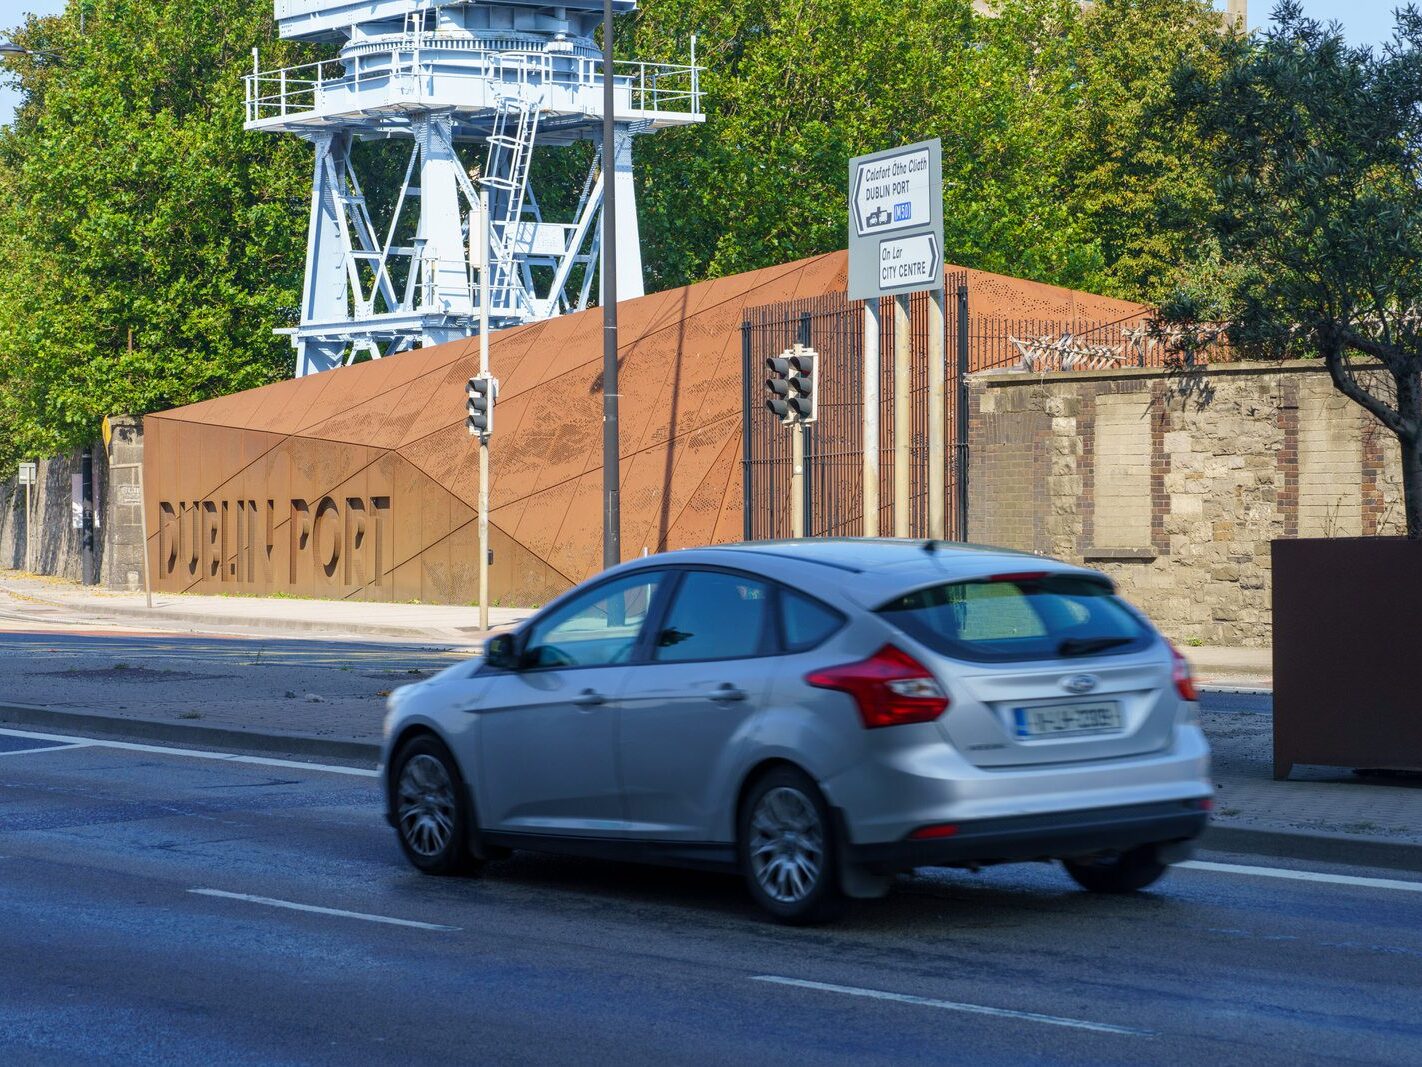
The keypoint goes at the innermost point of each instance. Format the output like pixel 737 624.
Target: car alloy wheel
pixel 787 845
pixel 426 805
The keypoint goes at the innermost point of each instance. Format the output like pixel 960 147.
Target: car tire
pixel 1125 872
pixel 787 847
pixel 429 801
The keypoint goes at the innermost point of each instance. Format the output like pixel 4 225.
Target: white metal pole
pixel 484 295
pixel 871 418
pixel 902 432
pixel 937 418
pixel 29 521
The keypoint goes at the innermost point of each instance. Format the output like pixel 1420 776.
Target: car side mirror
pixel 501 652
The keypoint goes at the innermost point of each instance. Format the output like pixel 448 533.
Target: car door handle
pixel 728 692
pixel 589 698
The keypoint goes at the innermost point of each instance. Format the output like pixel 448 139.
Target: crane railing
pixel 292 92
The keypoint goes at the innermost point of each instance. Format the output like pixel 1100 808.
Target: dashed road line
pixel 953 1005
pixel 341 913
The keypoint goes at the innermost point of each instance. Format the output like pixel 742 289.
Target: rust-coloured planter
pixel 1347 653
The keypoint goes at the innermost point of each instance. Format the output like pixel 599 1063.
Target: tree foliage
pixel 1059 160
pixel 1317 151
pixel 132 200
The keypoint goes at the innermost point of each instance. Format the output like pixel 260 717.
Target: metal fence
pixel 834 327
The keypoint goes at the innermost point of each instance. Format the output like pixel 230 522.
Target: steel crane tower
pixel 496 78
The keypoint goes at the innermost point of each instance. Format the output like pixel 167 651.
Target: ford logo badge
pixel 1080 683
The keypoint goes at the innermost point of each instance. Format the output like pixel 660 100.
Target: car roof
pixel 869 571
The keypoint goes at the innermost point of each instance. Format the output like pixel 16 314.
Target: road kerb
pixel 1353 850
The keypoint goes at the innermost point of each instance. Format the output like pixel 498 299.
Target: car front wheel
pixel 787 848
pixel 1124 872
pixel 431 813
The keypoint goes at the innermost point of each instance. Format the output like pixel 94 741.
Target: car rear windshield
pixel 1019 617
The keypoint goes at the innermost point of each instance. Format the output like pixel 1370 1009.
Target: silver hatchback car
pixel 819 715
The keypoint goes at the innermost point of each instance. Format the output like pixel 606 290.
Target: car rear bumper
pixel 1049 835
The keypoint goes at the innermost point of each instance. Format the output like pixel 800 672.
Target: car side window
pixel 805 622
pixel 597 629
pixel 714 616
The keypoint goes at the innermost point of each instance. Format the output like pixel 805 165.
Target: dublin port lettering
pixel 340 541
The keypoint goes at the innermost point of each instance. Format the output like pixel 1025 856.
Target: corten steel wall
pixel 360 482
pixel 1176 483
pixel 998 309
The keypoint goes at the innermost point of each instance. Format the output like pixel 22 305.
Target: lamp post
pixel 611 492
pixel 11 50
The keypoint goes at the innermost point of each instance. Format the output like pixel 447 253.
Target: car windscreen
pixel 1019 617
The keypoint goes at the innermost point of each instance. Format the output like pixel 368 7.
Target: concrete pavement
pixel 47 599
pixel 1224 668
pixel 168 908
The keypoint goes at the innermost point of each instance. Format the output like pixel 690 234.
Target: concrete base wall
pixel 1176 483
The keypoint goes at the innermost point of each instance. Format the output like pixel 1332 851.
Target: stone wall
pixel 1175 483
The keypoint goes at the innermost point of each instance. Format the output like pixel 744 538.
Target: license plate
pixel 1062 720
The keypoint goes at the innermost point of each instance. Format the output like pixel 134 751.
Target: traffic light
pixel 778 386
pixel 793 385
pixel 483 390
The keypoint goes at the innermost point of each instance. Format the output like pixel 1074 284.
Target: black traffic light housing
pixel 482 391
pixel 793 385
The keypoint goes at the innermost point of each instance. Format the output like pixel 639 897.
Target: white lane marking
pixel 1302 876
pixel 195 753
pixel 291 905
pixel 952 1005
pixel 45 748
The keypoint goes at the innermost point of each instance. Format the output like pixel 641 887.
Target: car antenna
pixel 930 546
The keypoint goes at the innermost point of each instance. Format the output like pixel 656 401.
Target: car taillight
pixel 1184 680
pixel 890 688
pixel 930 833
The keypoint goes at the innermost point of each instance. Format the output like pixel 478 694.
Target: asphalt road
pixel 310 687
pixel 150 902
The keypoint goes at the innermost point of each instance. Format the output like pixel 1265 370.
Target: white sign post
pixel 28 477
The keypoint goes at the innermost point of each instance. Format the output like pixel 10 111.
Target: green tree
pixel 133 204
pixel 1133 166
pixel 1058 160
pixel 1316 147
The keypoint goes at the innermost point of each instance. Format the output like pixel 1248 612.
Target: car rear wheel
pixel 431 812
pixel 1124 872
pixel 787 848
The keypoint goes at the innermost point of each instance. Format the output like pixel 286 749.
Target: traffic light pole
pixel 484 296
pixel 797 480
